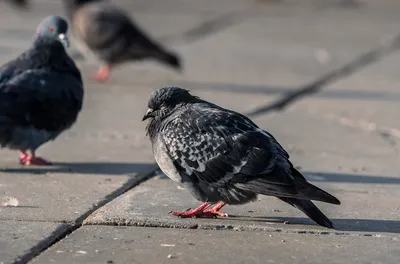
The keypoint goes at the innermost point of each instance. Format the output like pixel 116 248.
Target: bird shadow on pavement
pixel 353 225
pixel 100 168
pixel 349 178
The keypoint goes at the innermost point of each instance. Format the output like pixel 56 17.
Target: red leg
pixel 215 210
pixel 103 73
pixel 203 211
pixel 196 212
pixel 27 160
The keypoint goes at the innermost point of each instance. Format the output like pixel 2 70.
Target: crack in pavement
pixel 387 46
pixel 58 235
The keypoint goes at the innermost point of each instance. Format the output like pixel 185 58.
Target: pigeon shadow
pixel 349 178
pixel 99 168
pixel 350 225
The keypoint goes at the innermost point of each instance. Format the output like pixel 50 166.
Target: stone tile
pixel 20 238
pixel 105 244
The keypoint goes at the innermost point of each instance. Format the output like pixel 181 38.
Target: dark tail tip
pixel 171 60
pixel 311 191
pixel 310 210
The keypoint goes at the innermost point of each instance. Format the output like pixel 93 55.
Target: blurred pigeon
pixel 41 92
pixel 222 157
pixel 107 33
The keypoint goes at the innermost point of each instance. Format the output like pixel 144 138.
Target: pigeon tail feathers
pixel 310 210
pixel 169 59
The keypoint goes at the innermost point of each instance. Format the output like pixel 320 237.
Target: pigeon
pixel 222 157
pixel 107 33
pixel 41 92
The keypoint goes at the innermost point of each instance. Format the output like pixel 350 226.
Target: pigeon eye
pixel 51 28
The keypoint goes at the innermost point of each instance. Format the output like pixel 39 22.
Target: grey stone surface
pixel 156 245
pixel 20 238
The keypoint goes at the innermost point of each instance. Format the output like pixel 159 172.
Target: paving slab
pixel 100 244
pixel 20 238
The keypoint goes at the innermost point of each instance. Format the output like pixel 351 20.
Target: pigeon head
pixel 164 100
pixel 55 28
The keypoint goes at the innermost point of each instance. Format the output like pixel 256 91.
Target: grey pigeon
pixel 109 34
pixel 222 157
pixel 41 92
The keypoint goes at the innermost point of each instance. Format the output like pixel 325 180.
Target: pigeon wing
pixel 41 99
pixel 217 146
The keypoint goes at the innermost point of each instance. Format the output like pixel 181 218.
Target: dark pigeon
pixel 110 35
pixel 41 92
pixel 222 157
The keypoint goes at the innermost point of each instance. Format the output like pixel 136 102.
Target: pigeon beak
pixel 149 113
pixel 64 40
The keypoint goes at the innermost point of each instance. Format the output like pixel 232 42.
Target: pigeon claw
pixel 215 213
pixel 196 212
pixel 203 211
pixel 193 214
pixel 28 160
pixel 215 210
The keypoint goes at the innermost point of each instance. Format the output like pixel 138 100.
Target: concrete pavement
pixel 240 54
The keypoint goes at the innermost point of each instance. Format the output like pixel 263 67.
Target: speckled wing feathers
pixel 218 146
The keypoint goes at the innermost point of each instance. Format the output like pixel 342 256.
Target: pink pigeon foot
pixel 202 211
pixel 196 212
pixel 27 160
pixel 215 210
